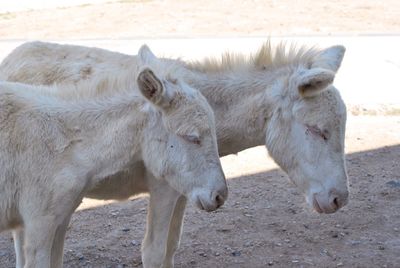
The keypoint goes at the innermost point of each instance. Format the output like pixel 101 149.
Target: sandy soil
pixel 265 221
pixel 146 18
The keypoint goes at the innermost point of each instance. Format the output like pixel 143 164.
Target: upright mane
pixel 268 56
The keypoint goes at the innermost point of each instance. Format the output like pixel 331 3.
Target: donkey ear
pixel 150 86
pixel 329 58
pixel 314 81
pixel 146 55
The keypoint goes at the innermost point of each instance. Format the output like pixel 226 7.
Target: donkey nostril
pixel 336 203
pixel 220 200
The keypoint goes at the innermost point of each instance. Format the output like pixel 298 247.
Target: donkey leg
pixel 163 199
pixel 175 230
pixel 58 244
pixel 39 235
pixel 18 237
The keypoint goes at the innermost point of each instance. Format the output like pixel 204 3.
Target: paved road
pixel 369 76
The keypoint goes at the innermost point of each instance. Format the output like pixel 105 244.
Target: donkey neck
pixel 239 103
pixel 106 133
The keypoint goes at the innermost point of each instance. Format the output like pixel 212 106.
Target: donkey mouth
pixel 199 204
pixel 322 207
pixel 316 206
pixel 204 206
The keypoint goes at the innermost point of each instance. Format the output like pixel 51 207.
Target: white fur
pixel 56 145
pixel 256 100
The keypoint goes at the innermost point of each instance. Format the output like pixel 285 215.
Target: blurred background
pixel 265 221
pixel 192 29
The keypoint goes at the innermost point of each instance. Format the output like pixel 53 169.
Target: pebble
pixel 355 242
pixel 248 244
pixel 380 247
pixel 226 228
pixel 135 243
pixel 203 254
pixel 270 263
pixel 339 264
pixel 126 230
pixel 236 253
pixel 114 213
pixel 393 184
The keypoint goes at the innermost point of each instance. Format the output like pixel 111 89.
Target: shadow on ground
pixel 265 222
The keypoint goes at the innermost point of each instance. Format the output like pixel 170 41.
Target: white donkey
pixel 57 144
pixel 280 96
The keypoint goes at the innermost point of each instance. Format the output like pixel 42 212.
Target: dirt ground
pixel 265 221
pixel 206 18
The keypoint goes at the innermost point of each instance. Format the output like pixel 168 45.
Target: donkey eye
pixel 317 132
pixel 325 135
pixel 192 139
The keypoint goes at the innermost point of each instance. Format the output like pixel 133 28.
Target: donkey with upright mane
pixel 281 96
pixel 58 144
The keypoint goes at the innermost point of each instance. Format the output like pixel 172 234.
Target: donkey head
pixel 182 146
pixel 306 133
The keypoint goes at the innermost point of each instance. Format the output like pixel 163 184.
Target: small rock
pixel 355 242
pixel 270 263
pixel 226 228
pixel 339 264
pixel 203 254
pixel 126 230
pixel 114 213
pixel 295 261
pixel 248 244
pixel 217 254
pixel 135 243
pixel 380 247
pixel 393 184
pixel 236 253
